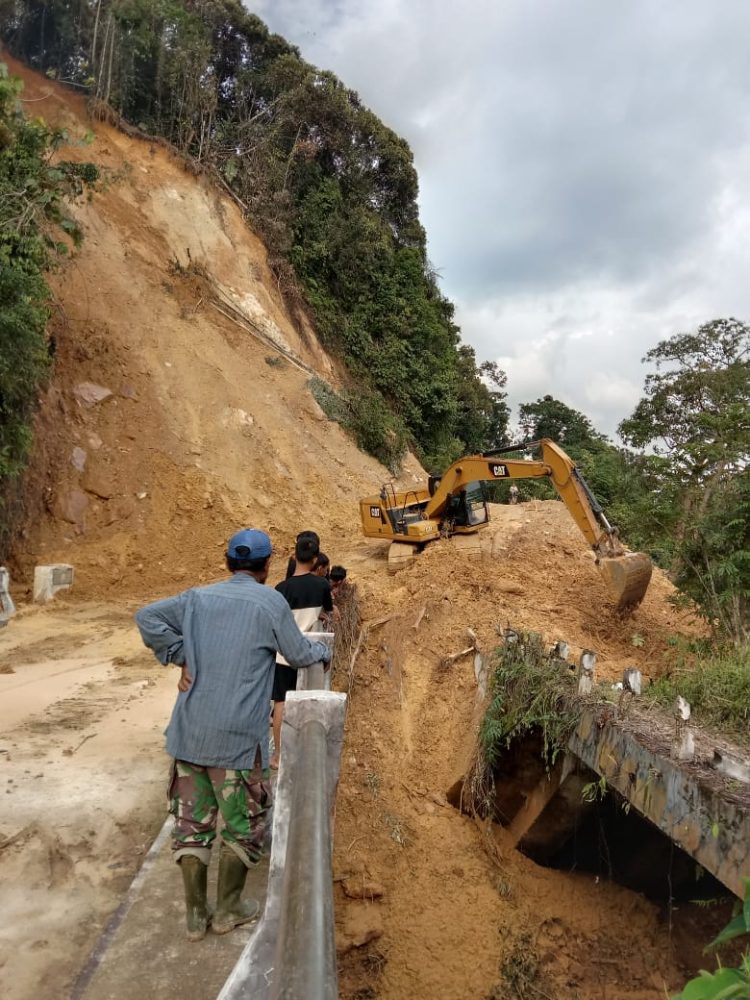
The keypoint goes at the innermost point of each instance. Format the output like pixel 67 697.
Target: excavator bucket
pixel 627 576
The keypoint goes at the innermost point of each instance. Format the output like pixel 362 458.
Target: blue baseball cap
pixel 249 544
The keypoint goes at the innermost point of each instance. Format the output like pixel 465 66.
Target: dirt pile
pixel 453 917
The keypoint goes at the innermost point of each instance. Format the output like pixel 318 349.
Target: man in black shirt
pixel 309 596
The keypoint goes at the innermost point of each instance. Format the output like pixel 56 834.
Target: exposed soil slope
pixel 208 424
pixel 170 306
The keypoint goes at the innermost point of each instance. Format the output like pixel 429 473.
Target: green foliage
pixel 697 402
pixel 594 791
pixel 717 688
pixel 725 983
pixel 527 695
pixel 32 191
pixel 332 190
pixel 362 413
pixel 550 418
pixel 695 415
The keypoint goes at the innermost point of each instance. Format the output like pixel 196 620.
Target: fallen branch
pixel 69 752
pixel 448 660
pixel 363 632
pixel 420 616
pixel 380 621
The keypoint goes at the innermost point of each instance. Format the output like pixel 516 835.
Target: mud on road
pixel 82 779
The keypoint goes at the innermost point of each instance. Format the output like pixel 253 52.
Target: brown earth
pixel 210 425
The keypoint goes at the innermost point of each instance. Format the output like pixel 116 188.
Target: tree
pixel 550 418
pixel 696 407
pixel 695 414
pixel 32 212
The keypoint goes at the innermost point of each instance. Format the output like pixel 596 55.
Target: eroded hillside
pixel 171 308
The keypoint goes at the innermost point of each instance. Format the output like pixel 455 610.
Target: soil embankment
pixel 207 424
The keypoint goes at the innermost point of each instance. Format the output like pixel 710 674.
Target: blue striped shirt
pixel 228 635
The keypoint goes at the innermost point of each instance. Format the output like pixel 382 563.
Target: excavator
pixel 455 504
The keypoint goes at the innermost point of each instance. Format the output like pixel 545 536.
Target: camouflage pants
pixel 198 794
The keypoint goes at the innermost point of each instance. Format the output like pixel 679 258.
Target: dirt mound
pixel 532 569
pixel 453 918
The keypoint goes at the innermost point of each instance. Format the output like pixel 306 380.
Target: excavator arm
pixel 627 573
pixel 420 517
pixel 555 465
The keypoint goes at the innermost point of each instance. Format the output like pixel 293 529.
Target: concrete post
pixel 305 958
pixel 683 745
pixel 49 580
pixel 316 677
pixel 560 651
pixel 631 688
pixel 7 607
pixel 586 668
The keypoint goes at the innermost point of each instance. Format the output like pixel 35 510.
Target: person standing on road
pixel 225 638
pixel 309 596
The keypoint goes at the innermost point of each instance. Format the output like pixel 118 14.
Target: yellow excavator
pixel 455 504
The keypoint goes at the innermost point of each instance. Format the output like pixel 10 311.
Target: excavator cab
pixel 466 510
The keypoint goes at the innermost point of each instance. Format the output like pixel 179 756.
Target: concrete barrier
pixel 312 735
pixel 50 580
pixel 706 819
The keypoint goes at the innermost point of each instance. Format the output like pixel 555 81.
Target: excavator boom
pixel 454 504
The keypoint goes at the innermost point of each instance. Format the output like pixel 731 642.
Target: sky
pixel 584 169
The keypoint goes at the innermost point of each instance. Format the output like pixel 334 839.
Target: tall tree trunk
pixel 95 41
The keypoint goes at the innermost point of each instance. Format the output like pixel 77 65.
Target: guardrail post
pixel 305 958
pixel 316 677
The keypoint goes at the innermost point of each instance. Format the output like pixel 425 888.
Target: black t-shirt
pixel 307 591
pixel 308 596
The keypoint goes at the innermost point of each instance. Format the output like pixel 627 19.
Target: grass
pixel 521 974
pixel 528 693
pixel 366 416
pixel 717 688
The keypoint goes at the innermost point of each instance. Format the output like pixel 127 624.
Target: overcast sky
pixel 584 169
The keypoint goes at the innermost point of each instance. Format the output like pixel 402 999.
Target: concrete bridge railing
pixel 292 955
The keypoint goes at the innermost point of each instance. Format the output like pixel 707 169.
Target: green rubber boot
pixel 194 879
pixel 231 911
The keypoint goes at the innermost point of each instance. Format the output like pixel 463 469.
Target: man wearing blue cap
pixel 225 637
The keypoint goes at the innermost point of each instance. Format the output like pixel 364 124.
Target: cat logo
pixel 498 471
pixel 375 512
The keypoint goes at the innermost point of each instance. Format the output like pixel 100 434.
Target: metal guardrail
pixel 305 958
pixel 292 955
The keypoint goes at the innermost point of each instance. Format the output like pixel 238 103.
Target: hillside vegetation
pixel 330 188
pixel 34 228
